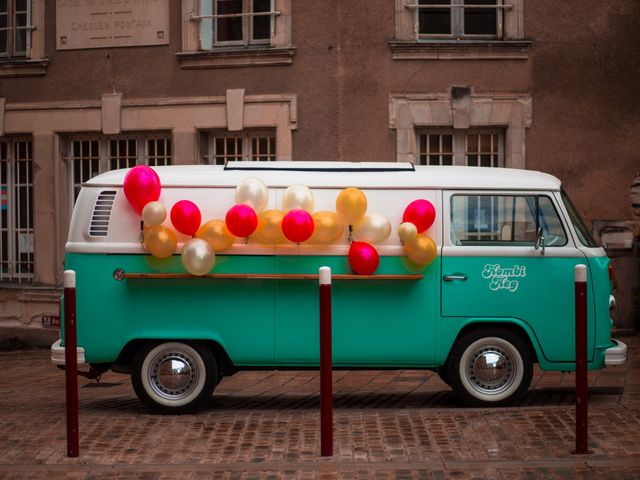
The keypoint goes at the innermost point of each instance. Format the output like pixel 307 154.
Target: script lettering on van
pixel 503 278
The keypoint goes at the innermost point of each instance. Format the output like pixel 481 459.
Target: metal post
pixel 71 363
pixel 582 385
pixel 326 366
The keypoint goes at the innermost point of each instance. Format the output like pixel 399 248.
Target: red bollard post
pixel 582 382
pixel 326 365
pixel 71 363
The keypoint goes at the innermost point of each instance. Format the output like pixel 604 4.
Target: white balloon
pixel 198 257
pixel 372 229
pixel 153 213
pixel 253 192
pixel 407 232
pixel 298 197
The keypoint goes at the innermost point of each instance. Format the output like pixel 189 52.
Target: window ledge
pixel 23 67
pixel 461 50
pixel 223 58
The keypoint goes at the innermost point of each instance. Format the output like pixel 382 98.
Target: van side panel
pixel 111 313
pixel 375 323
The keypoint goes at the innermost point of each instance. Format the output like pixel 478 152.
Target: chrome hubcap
pixel 491 370
pixel 173 375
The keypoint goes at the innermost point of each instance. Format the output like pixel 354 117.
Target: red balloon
pixel 241 220
pixel 141 186
pixel 297 225
pixel 421 213
pixel 363 258
pixel 185 216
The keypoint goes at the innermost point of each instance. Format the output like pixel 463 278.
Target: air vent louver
pixel 101 213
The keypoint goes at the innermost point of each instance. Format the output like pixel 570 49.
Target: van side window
pixel 506 220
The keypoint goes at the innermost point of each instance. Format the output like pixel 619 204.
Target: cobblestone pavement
pixel 265 425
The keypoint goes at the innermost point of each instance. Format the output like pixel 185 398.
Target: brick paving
pixel 265 425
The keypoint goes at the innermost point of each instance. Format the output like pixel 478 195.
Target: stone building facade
pixel 91 85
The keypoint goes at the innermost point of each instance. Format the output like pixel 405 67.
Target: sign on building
pixel 111 23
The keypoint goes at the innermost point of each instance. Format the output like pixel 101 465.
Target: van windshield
pixel 581 229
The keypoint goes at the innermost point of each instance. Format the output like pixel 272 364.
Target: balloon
pixel 351 205
pixel 421 213
pixel 407 231
pixel 141 186
pixel 160 241
pixel 363 258
pixel 241 220
pixel 372 229
pixel 198 258
pixel 297 225
pixel 422 250
pixel 153 213
pixel 328 227
pixel 185 216
pixel 269 227
pixel 253 192
pixel 298 197
pixel 216 234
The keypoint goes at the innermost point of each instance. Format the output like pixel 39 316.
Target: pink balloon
pixel 241 220
pixel 297 225
pixel 141 186
pixel 185 216
pixel 421 213
pixel 363 258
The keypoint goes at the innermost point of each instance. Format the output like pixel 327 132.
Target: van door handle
pixel 451 278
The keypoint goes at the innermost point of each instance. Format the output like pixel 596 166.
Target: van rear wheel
pixel 174 377
pixel 490 368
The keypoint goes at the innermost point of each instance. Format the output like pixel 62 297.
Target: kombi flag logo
pixel 4 197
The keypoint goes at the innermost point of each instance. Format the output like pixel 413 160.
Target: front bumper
pixel 57 354
pixel 616 355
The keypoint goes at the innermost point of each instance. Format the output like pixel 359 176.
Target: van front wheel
pixel 490 368
pixel 174 377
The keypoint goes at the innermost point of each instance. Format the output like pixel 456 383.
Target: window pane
pixel 480 21
pixel 434 21
pixel 3 6
pixel 504 220
pixel 3 33
pixel 229 29
pixel 262 23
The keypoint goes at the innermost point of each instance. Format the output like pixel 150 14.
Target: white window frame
pixel 247 140
pixel 460 145
pixel 457 11
pixel 104 157
pixel 12 30
pixel 209 15
pixel 17 236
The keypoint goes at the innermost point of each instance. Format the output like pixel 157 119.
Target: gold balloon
pixel 160 241
pixel 422 250
pixel 407 232
pixel 216 234
pixel 328 227
pixel 153 213
pixel 372 229
pixel 269 230
pixel 351 205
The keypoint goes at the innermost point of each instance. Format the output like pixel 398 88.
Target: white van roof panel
pixel 342 174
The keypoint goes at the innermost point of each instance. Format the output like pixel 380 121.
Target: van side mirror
pixel 540 240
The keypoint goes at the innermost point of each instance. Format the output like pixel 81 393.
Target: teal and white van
pixel 498 298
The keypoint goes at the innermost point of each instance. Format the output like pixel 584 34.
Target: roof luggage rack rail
pixel 321 166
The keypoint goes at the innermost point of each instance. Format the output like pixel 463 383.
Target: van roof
pixel 341 174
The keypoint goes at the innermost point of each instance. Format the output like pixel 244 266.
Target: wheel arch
pixel 125 359
pixel 515 326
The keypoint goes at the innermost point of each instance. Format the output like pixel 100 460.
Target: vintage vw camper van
pixel 498 297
